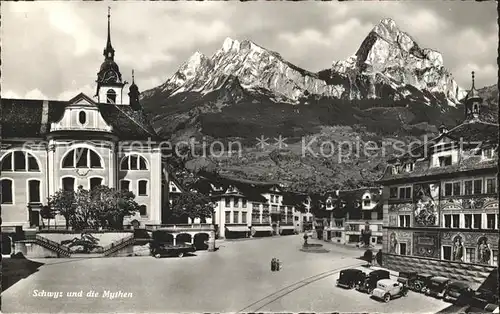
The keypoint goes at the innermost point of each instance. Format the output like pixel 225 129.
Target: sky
pixel 54 49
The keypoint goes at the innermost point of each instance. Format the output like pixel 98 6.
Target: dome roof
pixel 109 64
pixel 133 88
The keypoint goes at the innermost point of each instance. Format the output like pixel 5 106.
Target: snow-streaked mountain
pixel 389 65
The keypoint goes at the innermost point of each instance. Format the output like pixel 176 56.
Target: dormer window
pixel 488 153
pixel 366 203
pixel 445 161
pixel 82 117
pixel 409 167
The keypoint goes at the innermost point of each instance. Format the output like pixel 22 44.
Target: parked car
pixel 161 246
pixel 371 280
pixel 437 286
pixel 422 282
pixel 458 292
pixel 387 289
pixel 408 278
pixel 349 278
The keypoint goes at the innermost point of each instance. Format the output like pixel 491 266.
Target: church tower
pixel 472 103
pixel 133 95
pixel 109 79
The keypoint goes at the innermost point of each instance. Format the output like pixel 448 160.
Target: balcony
pixel 181 227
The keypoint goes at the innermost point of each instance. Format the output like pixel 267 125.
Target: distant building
pixel 441 201
pixel 245 208
pixel 351 212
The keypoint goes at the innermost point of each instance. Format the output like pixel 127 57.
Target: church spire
pixel 472 102
pixel 109 52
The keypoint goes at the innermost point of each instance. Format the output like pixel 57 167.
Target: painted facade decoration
pixel 426 244
pixel 393 243
pixel 426 196
pixel 484 251
pixel 458 249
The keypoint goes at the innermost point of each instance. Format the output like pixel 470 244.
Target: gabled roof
pixel 27 118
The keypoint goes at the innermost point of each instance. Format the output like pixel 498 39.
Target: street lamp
pixel 212 206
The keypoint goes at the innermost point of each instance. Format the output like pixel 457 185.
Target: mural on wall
pixel 426 198
pixel 393 243
pixel 458 249
pixel 483 250
pixel 426 244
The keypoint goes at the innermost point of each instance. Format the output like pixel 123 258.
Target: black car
pixel 458 292
pixel 437 286
pixel 408 278
pixel 371 280
pixel 161 245
pixel 349 278
pixel 422 282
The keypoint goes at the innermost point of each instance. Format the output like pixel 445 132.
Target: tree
pixel 47 213
pixel 193 205
pixel 111 206
pixel 64 203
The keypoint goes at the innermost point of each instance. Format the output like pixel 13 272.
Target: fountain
pixel 312 247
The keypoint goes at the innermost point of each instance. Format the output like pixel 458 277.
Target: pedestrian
pixel 368 256
pixel 273 264
pixel 378 257
pixel 278 265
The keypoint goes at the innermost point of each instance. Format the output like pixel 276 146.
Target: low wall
pixel 474 273
pixel 105 238
pixel 33 250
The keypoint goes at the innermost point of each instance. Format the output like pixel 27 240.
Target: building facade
pixel 441 201
pixel 351 213
pixel 244 208
pixel 47 146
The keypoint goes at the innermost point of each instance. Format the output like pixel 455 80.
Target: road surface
pixel 235 278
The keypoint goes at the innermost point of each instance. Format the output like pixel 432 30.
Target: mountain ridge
pixel 244 91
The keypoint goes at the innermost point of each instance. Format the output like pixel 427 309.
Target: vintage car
pixel 371 280
pixel 408 278
pixel 387 289
pixel 349 278
pixel 437 286
pixel 458 292
pixel 422 282
pixel 161 245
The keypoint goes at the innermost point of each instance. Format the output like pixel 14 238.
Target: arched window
pixel 143 210
pixel 82 117
pixel 124 185
pixel 142 189
pixel 133 162
pixel 111 96
pixel 20 161
pixel 82 158
pixel 68 184
pixel 7 192
pixel 95 182
pixel 34 191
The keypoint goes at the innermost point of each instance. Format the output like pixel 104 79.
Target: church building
pixel 86 141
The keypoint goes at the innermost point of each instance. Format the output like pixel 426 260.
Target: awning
pixel 262 229
pixel 237 228
pixel 287 228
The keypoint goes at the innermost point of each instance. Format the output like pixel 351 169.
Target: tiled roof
pixel 24 118
pixel 422 169
pixel 467 132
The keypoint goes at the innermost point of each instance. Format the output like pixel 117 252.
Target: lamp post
pixel 211 245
